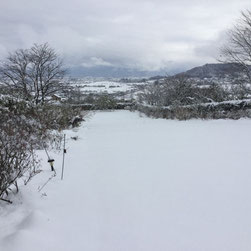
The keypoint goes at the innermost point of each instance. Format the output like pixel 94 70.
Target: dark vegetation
pixel 29 119
pixel 182 98
pixel 98 101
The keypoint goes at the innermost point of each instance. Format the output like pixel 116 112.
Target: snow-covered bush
pixel 16 150
pixel 104 102
pixel 24 128
pixel 177 91
pixel 55 117
pixel 217 110
pixel 181 98
pixel 239 90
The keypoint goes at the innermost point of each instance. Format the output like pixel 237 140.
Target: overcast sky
pixel 137 34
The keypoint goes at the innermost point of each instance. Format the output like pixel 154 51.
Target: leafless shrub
pixel 23 129
pixel 16 154
pixel 177 91
pixel 104 102
pixel 239 91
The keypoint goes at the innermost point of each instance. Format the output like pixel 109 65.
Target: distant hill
pixel 205 71
pixel 110 72
pixel 213 70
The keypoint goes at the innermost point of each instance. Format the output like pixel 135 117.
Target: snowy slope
pixel 138 184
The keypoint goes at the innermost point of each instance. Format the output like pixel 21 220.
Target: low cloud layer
pixel 143 35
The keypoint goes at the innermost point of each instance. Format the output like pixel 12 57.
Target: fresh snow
pixel 138 184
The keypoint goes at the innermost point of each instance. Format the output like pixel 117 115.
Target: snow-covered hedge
pixel 182 98
pixel 233 109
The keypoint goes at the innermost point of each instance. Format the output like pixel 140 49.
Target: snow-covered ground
pixel 105 86
pixel 139 184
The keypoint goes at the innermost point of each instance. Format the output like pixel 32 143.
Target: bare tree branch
pixel 238 47
pixel 34 73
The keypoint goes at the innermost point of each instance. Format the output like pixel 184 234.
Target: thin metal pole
pixel 64 151
pixel 46 151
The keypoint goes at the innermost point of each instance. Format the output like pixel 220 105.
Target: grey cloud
pixel 143 34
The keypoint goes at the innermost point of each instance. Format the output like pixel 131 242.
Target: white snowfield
pixel 139 184
pixel 108 87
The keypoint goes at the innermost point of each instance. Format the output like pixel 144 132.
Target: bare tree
pixel 35 73
pixel 14 72
pixel 45 72
pixel 238 47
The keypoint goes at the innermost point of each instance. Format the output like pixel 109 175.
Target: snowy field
pixel 139 184
pixel 105 86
